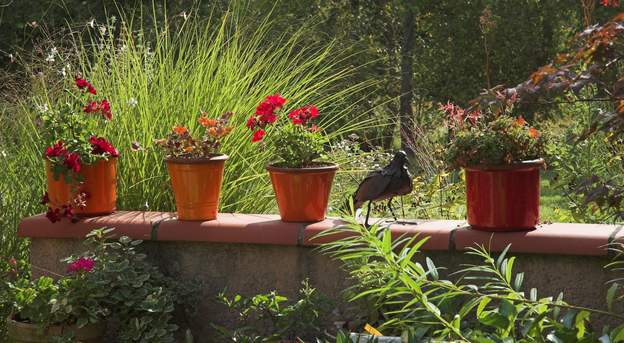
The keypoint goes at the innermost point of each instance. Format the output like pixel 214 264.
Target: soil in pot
pixel 504 198
pixel 19 332
pixel 99 183
pixel 302 194
pixel 196 186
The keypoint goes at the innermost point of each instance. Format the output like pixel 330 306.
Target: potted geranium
pixel 502 157
pixel 301 182
pixel 80 164
pixel 196 167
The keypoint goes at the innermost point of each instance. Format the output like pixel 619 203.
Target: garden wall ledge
pixel 444 235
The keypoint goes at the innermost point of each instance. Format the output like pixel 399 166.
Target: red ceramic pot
pixel 302 193
pixel 504 198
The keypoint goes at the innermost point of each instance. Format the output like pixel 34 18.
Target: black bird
pixel 386 183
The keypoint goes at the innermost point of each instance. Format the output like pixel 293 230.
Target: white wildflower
pixel 52 55
pixel 132 102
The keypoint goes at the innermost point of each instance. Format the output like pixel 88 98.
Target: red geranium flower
pixel 101 146
pixel 251 123
pixel 106 110
pixel 266 109
pixel 53 214
pixel 268 118
pixel 302 115
pixel 56 150
pixel 276 100
pixel 84 84
pixel 92 107
pixel 72 162
pixel 258 135
pixel 45 198
pixel 68 212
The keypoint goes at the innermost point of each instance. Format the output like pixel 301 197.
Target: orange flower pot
pixel 197 186
pixel 302 193
pixel 99 182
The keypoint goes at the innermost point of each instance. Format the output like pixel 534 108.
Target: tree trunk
pixel 407 58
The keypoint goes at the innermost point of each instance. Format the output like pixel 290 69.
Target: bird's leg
pixel 367 213
pixel 391 210
pixel 402 208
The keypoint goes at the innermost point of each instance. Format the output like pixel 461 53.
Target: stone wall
pixel 251 254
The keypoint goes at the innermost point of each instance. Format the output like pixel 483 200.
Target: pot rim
pixel 324 168
pixel 528 164
pixel 182 160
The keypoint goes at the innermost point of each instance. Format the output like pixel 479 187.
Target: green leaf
pixel 482 304
pixel 518 282
pixel 433 271
pixel 494 319
pixel 502 255
pixel 509 269
pixel 611 292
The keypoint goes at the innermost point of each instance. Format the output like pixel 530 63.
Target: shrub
pixel 485 303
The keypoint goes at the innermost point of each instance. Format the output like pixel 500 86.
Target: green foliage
pixel 120 285
pixel 587 171
pixel 296 146
pixel 501 141
pixel 267 318
pixel 485 304
pixel 135 292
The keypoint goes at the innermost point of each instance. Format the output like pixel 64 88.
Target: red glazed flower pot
pixel 504 198
pixel 197 186
pixel 99 182
pixel 302 193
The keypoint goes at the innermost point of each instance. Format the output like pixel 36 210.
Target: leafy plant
pixel 490 137
pixel 181 144
pixel 110 281
pixel 137 294
pixel 486 303
pixel 267 318
pixel 298 142
pixel 71 300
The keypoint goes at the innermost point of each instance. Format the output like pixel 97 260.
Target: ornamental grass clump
pixel 490 137
pixel 296 141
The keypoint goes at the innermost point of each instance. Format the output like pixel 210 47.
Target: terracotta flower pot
pixel 99 182
pixel 18 332
pixel 504 198
pixel 197 186
pixel 302 193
